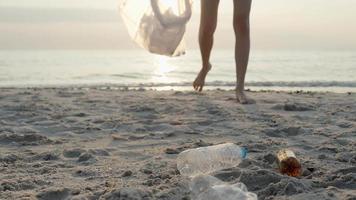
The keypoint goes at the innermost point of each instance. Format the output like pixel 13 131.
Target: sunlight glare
pixel 163 68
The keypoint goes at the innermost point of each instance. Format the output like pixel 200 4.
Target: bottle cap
pixel 244 152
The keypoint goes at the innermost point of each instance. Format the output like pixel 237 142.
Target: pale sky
pixel 96 24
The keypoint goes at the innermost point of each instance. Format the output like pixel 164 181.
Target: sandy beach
pixel 103 143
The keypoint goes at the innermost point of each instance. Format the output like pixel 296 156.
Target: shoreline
pixel 208 88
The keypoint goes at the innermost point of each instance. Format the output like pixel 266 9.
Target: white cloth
pixel 157 25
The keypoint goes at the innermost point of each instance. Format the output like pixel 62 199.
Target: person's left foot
pixel 199 82
pixel 243 99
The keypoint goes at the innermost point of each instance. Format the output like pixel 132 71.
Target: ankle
pixel 240 90
pixel 206 68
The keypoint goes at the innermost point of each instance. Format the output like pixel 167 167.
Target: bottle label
pixel 290 154
pixel 285 154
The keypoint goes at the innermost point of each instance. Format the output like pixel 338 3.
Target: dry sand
pixel 100 143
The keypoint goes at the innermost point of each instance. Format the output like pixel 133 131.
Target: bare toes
pixel 199 82
pixel 242 99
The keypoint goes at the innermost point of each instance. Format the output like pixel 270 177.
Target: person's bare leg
pixel 208 21
pixel 242 49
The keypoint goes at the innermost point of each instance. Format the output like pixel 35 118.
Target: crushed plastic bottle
pixel 205 160
pixel 205 187
pixel 288 163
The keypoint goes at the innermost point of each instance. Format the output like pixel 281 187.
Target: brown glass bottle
pixel 288 163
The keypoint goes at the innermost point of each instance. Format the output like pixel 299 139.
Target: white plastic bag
pixel 157 25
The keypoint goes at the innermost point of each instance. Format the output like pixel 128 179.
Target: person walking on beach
pixel 241 23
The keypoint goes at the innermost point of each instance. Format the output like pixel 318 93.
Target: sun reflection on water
pixel 163 67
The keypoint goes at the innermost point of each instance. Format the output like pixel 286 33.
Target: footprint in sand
pixel 273 133
pixel 46 156
pixel 294 107
pixel 346 157
pixel 292 131
pixel 31 139
pixel 73 153
pixel 259 179
pixel 128 193
pixel 17 185
pixel 284 132
pixel 286 187
pixel 342 178
pixel 99 152
pixel 87 159
pixel 57 194
pixel 345 124
pixel 10 158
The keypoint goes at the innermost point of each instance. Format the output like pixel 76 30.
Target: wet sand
pixel 100 143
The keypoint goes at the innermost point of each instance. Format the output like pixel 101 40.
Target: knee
pixel 242 24
pixel 208 29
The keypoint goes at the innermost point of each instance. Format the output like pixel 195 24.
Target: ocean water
pixel 281 70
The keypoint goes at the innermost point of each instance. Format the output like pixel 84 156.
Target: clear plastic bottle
pixel 205 160
pixel 205 187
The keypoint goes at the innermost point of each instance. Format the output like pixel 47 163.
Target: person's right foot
pixel 199 82
pixel 243 99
